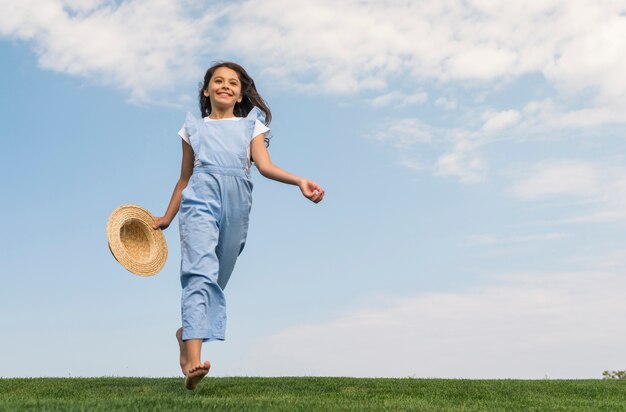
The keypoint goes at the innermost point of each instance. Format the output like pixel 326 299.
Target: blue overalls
pixel 213 219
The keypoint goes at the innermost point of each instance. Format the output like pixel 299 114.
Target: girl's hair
pixel 250 96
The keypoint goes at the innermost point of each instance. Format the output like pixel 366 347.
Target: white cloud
pixel 467 166
pixel 402 133
pixel 141 46
pixel 396 49
pixel 601 186
pixel 564 325
pixel 500 120
pixel 448 104
pixel 596 56
pixel 557 178
pixel 492 240
pixel 334 46
pixel 411 164
pixel 463 160
pixel 398 99
pixel 482 61
pixel 575 44
pixel 549 115
pixel 460 158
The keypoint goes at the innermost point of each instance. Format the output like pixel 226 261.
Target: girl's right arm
pixel 186 169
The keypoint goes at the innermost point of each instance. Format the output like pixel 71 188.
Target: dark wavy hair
pixel 250 95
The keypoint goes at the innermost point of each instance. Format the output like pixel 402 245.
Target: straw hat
pixel 134 243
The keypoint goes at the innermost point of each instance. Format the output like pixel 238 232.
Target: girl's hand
pixel 161 223
pixel 311 190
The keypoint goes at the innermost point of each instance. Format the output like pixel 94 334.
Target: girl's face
pixel 224 89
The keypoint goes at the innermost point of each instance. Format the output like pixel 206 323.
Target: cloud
pixel 333 46
pixel 465 165
pixel 398 99
pixel 419 146
pixel 492 240
pixel 402 133
pixel 500 120
pixel 345 45
pixel 452 52
pixel 599 186
pixel 460 49
pixel 140 46
pixel 593 58
pixel 564 325
pixel 463 160
pixel 448 104
pixel 557 178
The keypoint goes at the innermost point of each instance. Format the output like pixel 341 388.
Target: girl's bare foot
pixel 195 374
pixel 183 350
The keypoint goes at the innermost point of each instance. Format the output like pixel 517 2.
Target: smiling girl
pixel 213 195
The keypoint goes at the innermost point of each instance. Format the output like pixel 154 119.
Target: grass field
pixel 311 394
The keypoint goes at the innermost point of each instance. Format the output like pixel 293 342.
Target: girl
pixel 213 195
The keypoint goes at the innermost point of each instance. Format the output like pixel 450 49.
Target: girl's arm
pixel 186 169
pixel 261 156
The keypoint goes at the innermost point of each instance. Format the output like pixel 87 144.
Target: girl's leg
pixel 209 253
pixel 183 351
pixel 203 304
pixel 234 225
pixel 195 368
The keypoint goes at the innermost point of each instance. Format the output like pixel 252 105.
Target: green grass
pixel 311 394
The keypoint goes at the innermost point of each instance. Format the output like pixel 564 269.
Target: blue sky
pixel 472 153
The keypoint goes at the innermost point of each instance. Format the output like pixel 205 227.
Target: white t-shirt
pixel 258 129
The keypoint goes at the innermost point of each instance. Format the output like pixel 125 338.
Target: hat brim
pixel 133 242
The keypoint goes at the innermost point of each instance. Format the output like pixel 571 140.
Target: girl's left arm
pixel 261 156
